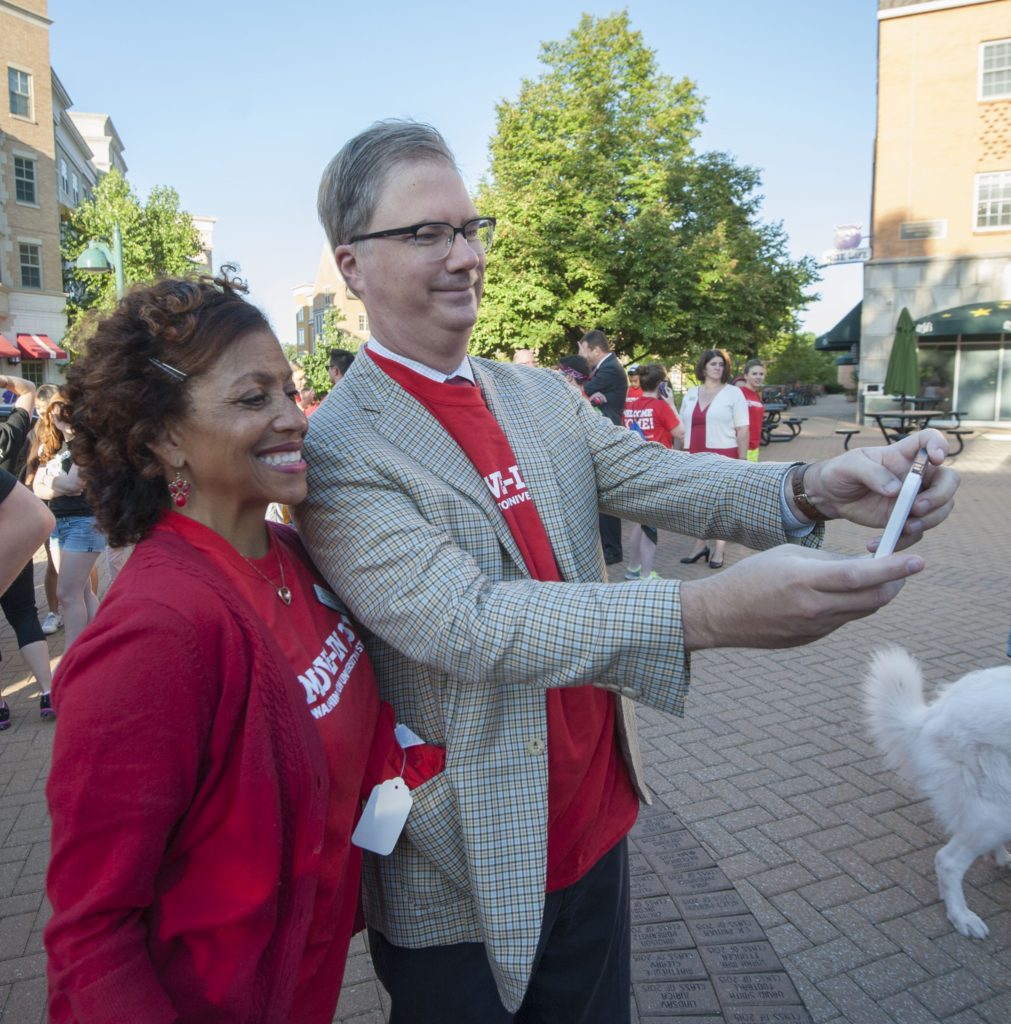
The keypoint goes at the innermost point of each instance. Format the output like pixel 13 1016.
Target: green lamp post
pixel 98 258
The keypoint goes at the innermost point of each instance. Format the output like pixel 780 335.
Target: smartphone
pixel 903 504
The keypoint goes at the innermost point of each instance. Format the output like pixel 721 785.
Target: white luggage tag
pixel 384 816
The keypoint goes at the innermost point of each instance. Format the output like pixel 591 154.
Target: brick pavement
pixel 795 881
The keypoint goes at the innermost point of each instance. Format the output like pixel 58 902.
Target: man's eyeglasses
pixel 435 239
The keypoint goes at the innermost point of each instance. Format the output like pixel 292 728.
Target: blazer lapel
pixel 524 429
pixel 410 427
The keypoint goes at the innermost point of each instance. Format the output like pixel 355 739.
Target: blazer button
pixel 535 746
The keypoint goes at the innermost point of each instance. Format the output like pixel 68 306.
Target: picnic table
pixel 896 425
pixel 773 421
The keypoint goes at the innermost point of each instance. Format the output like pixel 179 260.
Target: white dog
pixel 957 751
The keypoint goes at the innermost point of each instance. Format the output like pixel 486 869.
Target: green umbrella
pixel 903 374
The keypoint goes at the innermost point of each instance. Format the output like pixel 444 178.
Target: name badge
pixel 329 600
pixel 384 817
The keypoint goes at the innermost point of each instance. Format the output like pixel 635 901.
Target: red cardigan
pixel 187 839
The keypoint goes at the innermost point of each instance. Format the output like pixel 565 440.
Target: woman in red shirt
pixel 219 720
pixel 650 415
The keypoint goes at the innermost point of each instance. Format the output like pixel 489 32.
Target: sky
pixel 240 107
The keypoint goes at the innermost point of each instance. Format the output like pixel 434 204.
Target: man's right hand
pixel 788 596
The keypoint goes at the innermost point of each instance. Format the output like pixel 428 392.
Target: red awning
pixel 40 346
pixel 7 350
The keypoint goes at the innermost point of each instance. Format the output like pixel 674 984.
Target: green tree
pixel 793 357
pixel 608 218
pixel 315 363
pixel 158 239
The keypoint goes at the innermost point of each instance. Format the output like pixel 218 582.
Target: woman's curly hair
pixel 121 399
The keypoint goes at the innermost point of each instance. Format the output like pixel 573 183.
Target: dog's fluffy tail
pixel 894 706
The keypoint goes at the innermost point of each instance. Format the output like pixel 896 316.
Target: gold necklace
pixel 282 591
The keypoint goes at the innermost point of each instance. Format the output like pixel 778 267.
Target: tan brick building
pixel 31 273
pixel 941 214
pixel 313 300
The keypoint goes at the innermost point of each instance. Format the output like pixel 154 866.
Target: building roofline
pixel 20 12
pixel 926 7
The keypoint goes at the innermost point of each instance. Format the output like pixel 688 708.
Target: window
pixel 993 200
pixel 64 182
pixel 76 192
pixel 363 322
pixel 24 179
pixel 301 337
pixel 995 70
pixel 19 88
pixel 32 369
pixel 31 264
pixel 300 315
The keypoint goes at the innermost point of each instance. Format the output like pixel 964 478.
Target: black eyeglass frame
pixel 413 229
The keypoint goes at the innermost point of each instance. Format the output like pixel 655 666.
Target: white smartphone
pixel 903 504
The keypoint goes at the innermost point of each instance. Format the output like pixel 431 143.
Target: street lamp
pixel 98 258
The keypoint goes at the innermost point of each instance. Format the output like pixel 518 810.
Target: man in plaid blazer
pixel 467 641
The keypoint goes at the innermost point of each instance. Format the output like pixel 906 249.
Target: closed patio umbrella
pixel 903 374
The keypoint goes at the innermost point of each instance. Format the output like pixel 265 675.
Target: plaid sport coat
pixel 464 643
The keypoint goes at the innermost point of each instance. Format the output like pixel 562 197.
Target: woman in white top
pixel 715 418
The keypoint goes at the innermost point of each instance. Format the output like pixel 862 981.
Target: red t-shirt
pixel 633 393
pixel 591 803
pixel 756 415
pixel 651 417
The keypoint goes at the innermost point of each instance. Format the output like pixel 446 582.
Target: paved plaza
pixel 783 875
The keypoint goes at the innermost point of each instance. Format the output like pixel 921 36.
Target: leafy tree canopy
pixel 608 218
pixel 315 363
pixel 158 239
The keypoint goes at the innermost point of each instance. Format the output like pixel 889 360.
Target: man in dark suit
pixel 609 381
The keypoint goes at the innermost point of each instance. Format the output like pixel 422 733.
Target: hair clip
pixel 170 370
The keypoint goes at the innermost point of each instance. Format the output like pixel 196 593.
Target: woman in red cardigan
pixel 219 722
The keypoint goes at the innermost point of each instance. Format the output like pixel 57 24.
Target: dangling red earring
pixel 179 490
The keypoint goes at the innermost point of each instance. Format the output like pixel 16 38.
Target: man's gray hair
pixel 353 180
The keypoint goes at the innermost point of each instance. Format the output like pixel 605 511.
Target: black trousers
pixel 610 537
pixel 18 604
pixel 581 973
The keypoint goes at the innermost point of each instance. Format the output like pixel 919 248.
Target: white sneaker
pixel 51 623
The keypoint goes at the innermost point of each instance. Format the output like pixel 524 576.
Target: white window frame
pixel 31 160
pixel 30 116
pixel 64 179
pixel 1005 183
pixel 75 188
pixel 363 321
pixel 37 245
pixel 1006 94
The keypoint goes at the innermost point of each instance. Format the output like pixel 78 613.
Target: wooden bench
pixel 848 432
pixel 960 433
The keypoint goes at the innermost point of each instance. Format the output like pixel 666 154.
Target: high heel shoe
pixel 716 565
pixel 704 553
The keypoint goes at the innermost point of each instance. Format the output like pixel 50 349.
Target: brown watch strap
pixel 801 498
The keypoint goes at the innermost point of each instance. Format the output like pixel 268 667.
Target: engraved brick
pixel 660 936
pixel 713 904
pixel 667 965
pixel 755 989
pixel 642 886
pixel 741 957
pixel 766 1015
pixel 682 840
pixel 713 931
pixel 681 860
pixel 675 997
pixel 706 880
pixel 656 824
pixel 653 910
